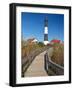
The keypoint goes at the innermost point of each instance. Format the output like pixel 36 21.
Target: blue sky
pixel 32 25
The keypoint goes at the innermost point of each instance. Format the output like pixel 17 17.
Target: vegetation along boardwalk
pixel 37 67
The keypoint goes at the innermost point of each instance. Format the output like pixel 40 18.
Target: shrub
pixel 58 54
pixel 30 47
pixel 40 44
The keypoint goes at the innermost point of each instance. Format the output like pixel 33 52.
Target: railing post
pixel 46 62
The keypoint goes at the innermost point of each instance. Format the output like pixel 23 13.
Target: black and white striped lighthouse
pixel 46 31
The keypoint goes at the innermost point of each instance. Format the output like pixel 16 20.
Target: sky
pixel 32 26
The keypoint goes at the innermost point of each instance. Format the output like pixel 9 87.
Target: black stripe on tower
pixel 45 37
pixel 46 22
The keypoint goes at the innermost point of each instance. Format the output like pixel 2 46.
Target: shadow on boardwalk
pixel 37 67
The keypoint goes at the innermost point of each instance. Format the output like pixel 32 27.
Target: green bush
pixel 40 44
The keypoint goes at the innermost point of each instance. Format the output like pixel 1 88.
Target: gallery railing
pixel 51 67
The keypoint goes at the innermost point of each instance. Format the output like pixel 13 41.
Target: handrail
pixel 50 65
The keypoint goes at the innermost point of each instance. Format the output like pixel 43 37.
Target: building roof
pixel 32 40
pixel 55 41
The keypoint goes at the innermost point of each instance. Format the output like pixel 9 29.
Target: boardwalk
pixel 37 67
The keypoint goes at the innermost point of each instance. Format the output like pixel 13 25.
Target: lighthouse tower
pixel 46 31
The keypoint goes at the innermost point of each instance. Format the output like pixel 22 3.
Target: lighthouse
pixel 46 31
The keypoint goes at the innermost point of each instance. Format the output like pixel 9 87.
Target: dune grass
pixel 58 54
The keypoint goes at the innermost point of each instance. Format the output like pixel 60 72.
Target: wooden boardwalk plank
pixel 37 67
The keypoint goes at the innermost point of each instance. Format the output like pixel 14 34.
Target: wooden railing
pixel 52 67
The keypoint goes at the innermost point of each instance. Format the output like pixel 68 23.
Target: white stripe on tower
pixel 46 30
